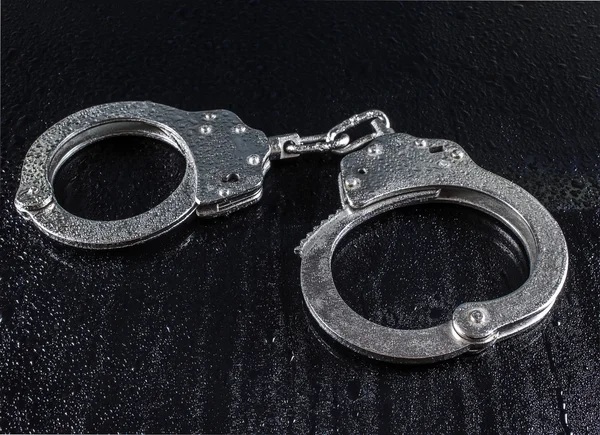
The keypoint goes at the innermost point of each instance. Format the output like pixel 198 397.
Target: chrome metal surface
pixel 336 140
pixel 397 170
pixel 225 164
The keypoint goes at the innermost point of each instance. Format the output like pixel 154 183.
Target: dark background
pixel 205 329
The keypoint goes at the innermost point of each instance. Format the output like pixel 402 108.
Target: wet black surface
pixel 129 174
pixel 205 329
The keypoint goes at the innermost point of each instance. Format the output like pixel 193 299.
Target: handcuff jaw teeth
pixel 225 164
pixel 397 170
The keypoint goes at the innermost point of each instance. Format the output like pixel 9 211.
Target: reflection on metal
pixel 225 165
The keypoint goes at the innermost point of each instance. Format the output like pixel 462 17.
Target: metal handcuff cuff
pixel 225 165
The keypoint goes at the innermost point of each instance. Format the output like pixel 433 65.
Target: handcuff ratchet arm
pixel 225 165
pixel 397 170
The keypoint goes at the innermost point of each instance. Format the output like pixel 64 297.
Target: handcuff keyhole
pixel 436 149
pixel 231 178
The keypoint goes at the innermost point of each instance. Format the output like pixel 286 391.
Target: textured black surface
pixel 205 329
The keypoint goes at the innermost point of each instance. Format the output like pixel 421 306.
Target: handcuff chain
pixel 337 140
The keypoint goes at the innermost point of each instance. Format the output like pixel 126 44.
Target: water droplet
pixel 457 154
pixel 476 316
pixel 205 129
pixel 224 192
pixel 352 183
pixel 375 149
pixel 253 159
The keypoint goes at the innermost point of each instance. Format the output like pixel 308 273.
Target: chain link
pixel 335 140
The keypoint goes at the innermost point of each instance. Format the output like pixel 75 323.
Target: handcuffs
pixel 225 165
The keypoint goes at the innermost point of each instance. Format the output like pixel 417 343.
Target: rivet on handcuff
pixel 225 165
